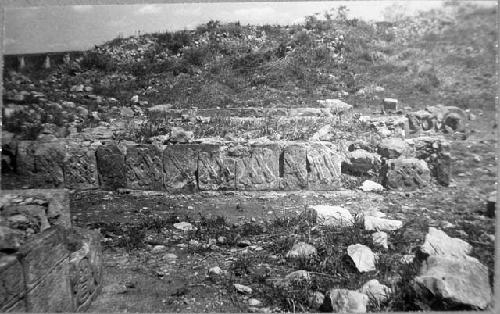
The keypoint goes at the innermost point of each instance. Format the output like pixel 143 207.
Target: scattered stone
pixel 407 259
pixel 221 240
pixel 360 161
pixel 215 272
pixel 327 215
pixel 297 276
pixel 316 299
pixel 362 256
pixel 184 226
pixel 393 148
pixel 456 282
pixel 408 173
pixel 381 224
pixel 254 302
pixel 376 291
pixel 179 135
pixel 346 301
pixel 242 289
pixel 371 186
pixel 390 104
pixel 301 250
pixel 170 256
pixel 126 112
pixel 159 249
pixel 135 99
pixel 437 242
pixel 381 239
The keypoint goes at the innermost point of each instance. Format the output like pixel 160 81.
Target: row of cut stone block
pixel 268 166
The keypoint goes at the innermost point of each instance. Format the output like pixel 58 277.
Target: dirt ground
pixel 175 278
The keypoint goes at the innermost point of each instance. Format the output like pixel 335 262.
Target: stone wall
pixel 222 165
pixel 183 167
pixel 45 264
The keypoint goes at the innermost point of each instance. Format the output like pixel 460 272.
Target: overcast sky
pixel 63 28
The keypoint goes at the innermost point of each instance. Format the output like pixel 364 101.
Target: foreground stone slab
pixel 259 168
pixel 294 172
pixel 80 166
pixel 42 162
pixel 144 166
pixel 11 283
pixel 410 173
pixel 180 164
pixel 58 270
pixel 454 283
pixel 323 166
pixel 216 171
pixel 111 167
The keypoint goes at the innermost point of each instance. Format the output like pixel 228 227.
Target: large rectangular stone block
pixel 258 169
pixel 294 171
pixel 11 282
pixel 80 167
pixel 216 170
pixel 410 173
pixel 52 293
pixel 111 167
pixel 144 166
pixel 42 162
pixel 323 167
pixel 43 253
pixel 180 164
pixel 85 268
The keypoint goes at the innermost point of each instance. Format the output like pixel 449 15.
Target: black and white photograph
pixel 249 157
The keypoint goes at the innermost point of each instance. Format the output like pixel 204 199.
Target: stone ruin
pixel 46 265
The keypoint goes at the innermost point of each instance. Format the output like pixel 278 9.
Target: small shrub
pixel 94 60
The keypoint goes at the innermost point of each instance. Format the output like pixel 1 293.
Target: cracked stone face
pixel 324 167
pixel 294 172
pixel 216 171
pixel 259 170
pixel 180 163
pixel 144 167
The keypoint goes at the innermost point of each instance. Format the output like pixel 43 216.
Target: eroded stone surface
pixel 80 167
pixel 258 170
pixel 410 173
pixel 455 281
pixel 323 166
pixel 346 301
pixel 180 163
pixel 111 167
pixel 144 166
pixel 294 172
pixel 42 162
pixel 11 281
pixel 216 171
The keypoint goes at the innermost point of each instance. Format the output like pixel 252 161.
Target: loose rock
pixel 437 242
pixel 301 250
pixel 362 256
pixel 343 300
pixel 327 215
pixel 381 224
